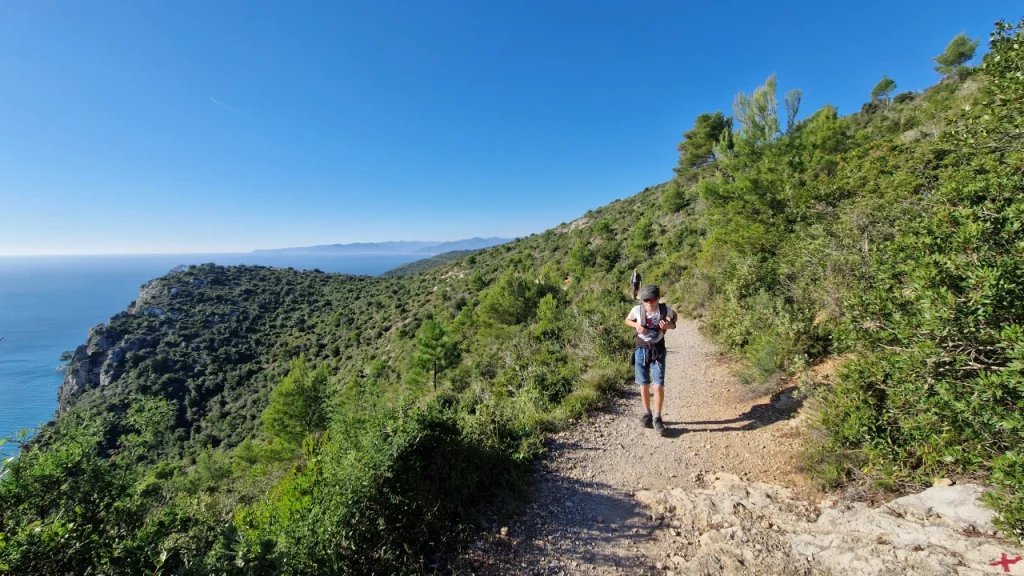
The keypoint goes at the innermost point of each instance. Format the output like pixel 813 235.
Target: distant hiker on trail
pixel 634 281
pixel 651 319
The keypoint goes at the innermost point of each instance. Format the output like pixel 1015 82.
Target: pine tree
pixel 299 404
pixel 437 352
pixel 758 114
pixel 958 53
pixel 581 258
pixel 641 241
pixel 674 199
pixel 512 300
pixel 548 318
pixel 792 102
pixel 698 146
pixel 883 90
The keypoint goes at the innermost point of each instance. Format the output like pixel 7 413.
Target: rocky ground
pixel 720 494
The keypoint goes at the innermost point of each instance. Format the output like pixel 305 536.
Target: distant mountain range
pixel 391 247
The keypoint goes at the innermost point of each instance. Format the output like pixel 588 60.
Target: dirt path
pixel 718 495
pixel 586 520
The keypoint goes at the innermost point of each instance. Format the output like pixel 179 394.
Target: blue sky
pixel 215 126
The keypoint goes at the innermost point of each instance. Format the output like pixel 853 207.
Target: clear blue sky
pixel 210 126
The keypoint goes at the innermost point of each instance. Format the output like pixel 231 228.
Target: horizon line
pixel 252 251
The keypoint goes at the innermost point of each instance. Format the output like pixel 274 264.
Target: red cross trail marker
pixel 1005 562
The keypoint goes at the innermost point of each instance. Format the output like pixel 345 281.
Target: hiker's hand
pixel 640 329
pixel 665 325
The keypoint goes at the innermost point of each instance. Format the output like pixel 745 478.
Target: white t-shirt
pixel 650 321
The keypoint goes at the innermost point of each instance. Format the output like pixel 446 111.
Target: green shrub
pixel 300 405
pixel 385 499
pixel 894 235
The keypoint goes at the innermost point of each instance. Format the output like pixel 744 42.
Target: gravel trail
pixel 720 495
pixel 585 518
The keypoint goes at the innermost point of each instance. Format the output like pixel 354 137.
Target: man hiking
pixel 634 281
pixel 651 319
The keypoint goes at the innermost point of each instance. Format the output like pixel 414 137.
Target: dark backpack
pixel 663 311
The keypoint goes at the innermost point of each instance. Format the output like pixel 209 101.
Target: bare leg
pixel 645 396
pixel 659 398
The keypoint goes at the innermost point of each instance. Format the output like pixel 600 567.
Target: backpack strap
pixel 662 309
pixel 656 350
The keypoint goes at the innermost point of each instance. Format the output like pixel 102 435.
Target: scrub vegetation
pixel 269 421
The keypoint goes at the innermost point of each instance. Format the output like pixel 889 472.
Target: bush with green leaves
pixel 892 235
pixel 300 405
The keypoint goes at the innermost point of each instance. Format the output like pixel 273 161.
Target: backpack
pixel 663 311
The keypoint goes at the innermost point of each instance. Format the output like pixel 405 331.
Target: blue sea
pixel 48 304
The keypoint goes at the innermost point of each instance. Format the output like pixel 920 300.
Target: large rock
pixel 84 371
pixel 101 360
pixel 737 527
pixel 97 363
pixel 150 292
pixel 79 375
pixel 956 505
pixel 101 339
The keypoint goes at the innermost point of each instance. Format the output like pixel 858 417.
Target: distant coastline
pixel 390 248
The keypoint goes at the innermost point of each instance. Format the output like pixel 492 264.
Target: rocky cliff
pixel 100 361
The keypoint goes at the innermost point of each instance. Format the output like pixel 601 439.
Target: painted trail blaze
pixel 1006 562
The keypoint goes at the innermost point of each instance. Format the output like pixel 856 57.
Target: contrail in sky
pixel 228 106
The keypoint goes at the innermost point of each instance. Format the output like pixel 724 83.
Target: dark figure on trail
pixel 634 281
pixel 650 320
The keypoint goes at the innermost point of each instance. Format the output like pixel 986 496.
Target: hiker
pixel 651 319
pixel 634 281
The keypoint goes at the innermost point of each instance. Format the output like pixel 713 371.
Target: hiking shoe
pixel 645 420
pixel 659 426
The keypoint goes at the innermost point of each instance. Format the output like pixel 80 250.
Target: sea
pixel 49 303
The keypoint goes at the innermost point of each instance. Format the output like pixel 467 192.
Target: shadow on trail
pixel 574 526
pixel 673 430
pixel 585 524
pixel 781 406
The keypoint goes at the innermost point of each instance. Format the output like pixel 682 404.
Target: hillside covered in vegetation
pixel 428 263
pixel 247 420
